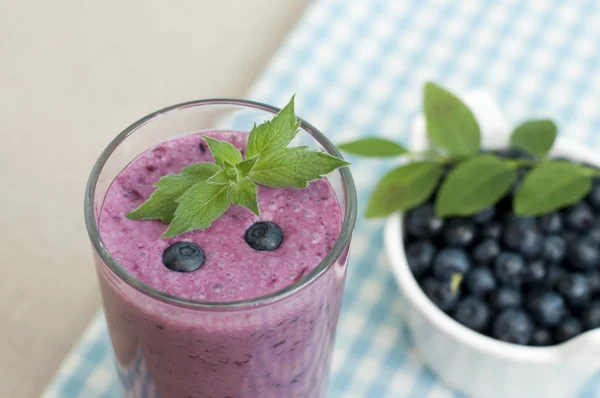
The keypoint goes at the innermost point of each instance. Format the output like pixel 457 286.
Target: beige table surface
pixel 73 73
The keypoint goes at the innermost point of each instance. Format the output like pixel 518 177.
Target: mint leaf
pixel 223 152
pixel 198 207
pixel 244 193
pixel 404 188
pixel 294 167
pixel 203 192
pixel 450 123
pixel 161 205
pixel 373 147
pixel 549 187
pixel 535 136
pixel 474 185
pixel 219 178
pixel 246 166
pixel 273 135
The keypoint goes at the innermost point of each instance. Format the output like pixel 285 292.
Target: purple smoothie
pixel 276 350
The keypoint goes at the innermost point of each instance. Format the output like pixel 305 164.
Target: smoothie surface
pixel 309 218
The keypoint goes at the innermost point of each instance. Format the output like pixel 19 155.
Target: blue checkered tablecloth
pixel 358 67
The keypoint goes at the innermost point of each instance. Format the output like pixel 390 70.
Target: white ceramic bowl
pixel 466 360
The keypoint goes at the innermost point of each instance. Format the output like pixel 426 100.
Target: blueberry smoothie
pixel 278 349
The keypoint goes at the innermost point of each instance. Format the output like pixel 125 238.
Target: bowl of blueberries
pixel 501 305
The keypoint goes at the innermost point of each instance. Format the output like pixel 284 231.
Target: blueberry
pixel 510 268
pixel 420 255
pixel 591 316
pixel 486 252
pixel 541 338
pixel 440 294
pixel 594 196
pixel 480 281
pixel 486 215
pixel 554 274
pixel 568 329
pixel 460 233
pixel 423 223
pixel 579 217
pixel 554 249
pixel 514 326
pixel 449 261
pixel 534 293
pixel 548 308
pixel 511 219
pixel 492 230
pixel 531 244
pixel 575 289
pixel 535 272
pixel 473 313
pixel 593 235
pixel 523 239
pixel 264 236
pixel 506 297
pixel 570 237
pixel 583 254
pixel 593 278
pixel 183 257
pixel 551 223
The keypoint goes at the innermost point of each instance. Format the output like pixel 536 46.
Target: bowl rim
pixel 410 289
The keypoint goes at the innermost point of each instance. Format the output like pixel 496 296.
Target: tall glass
pixel 277 345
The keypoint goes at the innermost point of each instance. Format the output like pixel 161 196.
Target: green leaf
pixel 275 134
pixel 223 151
pixel 294 167
pixel 373 147
pixel 198 207
pixel 244 193
pixel 162 204
pixel 219 178
pixel 450 123
pixel 246 166
pixel 474 185
pixel 404 188
pixel 549 187
pixel 535 136
pixel 199 195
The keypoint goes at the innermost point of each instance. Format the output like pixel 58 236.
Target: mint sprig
pixel 475 180
pixel 203 192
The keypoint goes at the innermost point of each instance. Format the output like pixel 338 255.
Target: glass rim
pixel 337 250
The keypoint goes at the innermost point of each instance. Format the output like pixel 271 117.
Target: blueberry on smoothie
pixel 183 257
pixel 264 236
